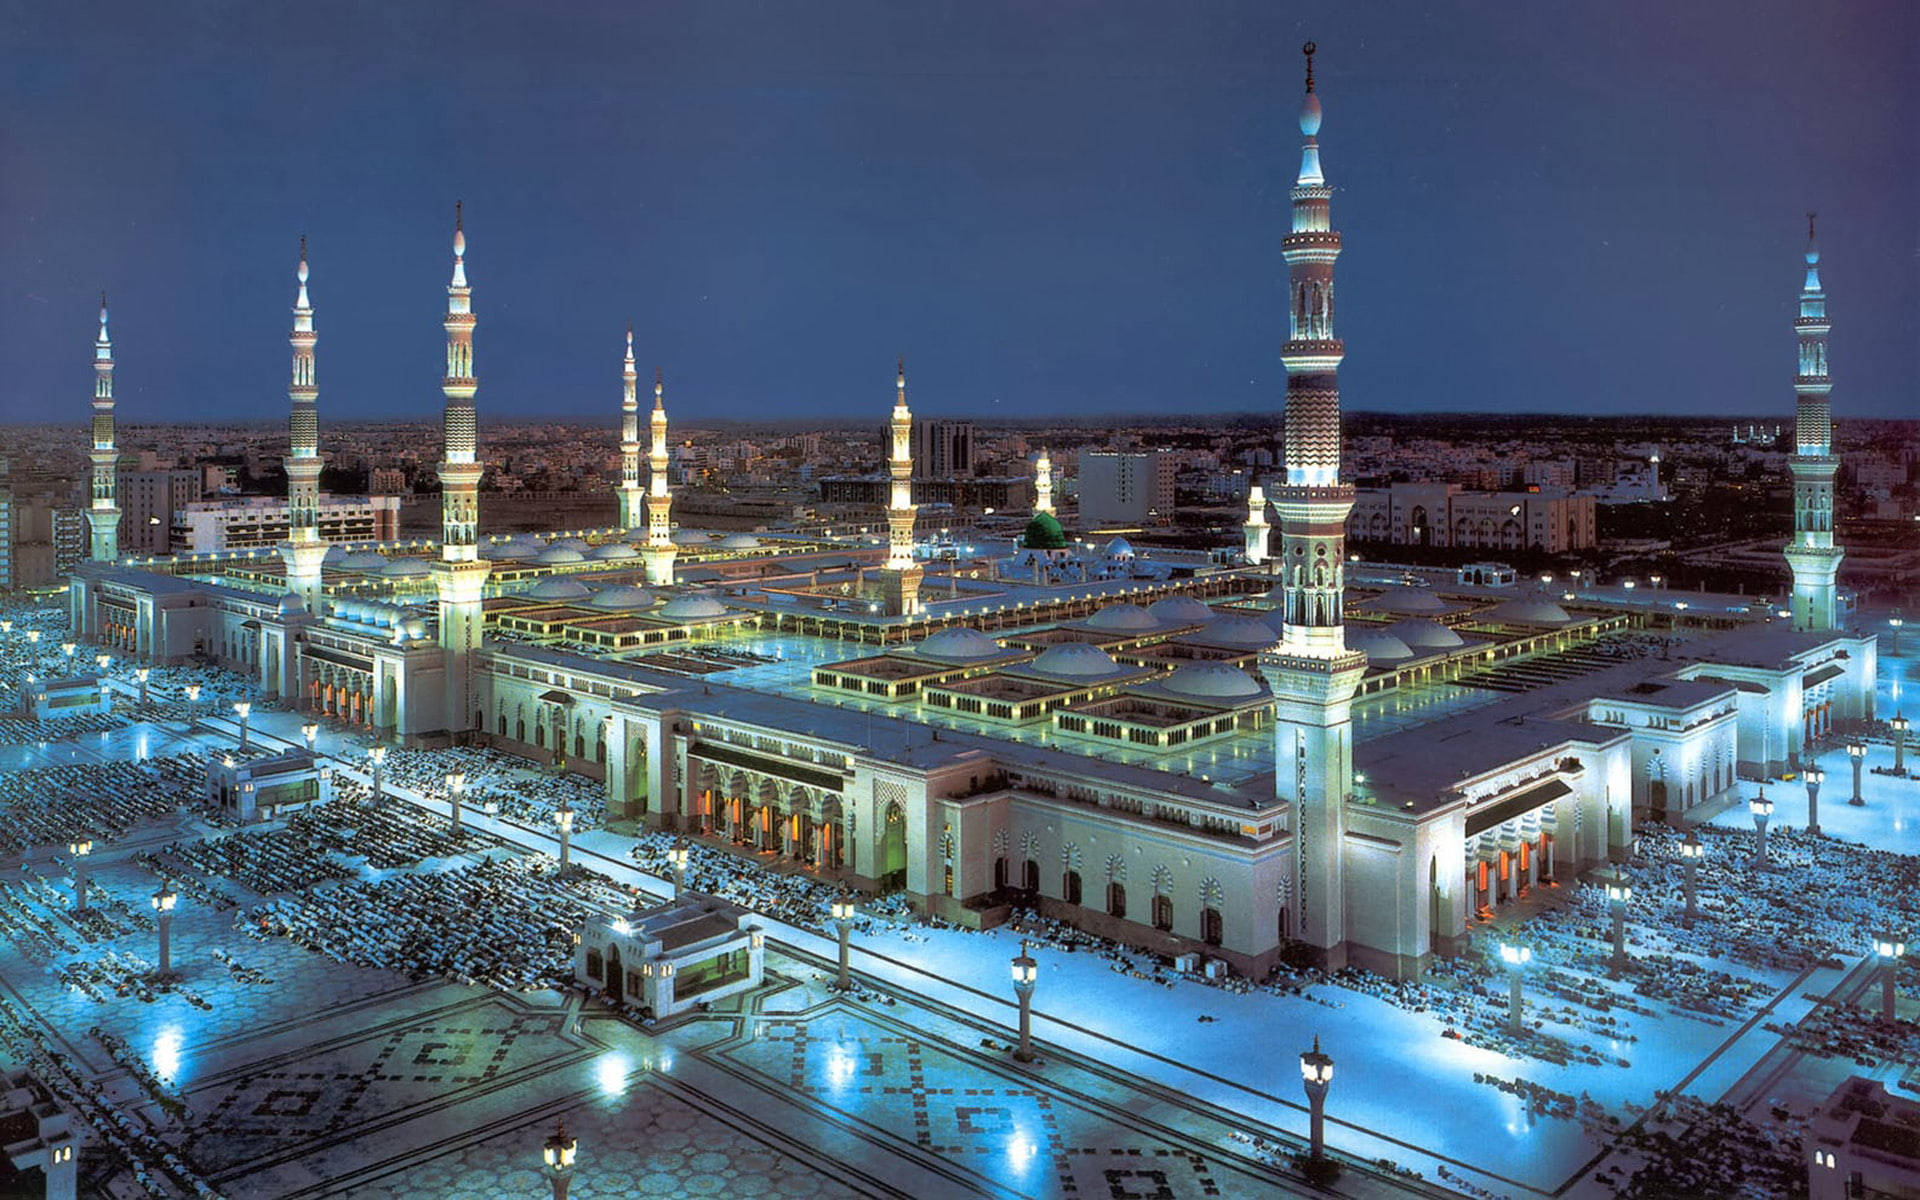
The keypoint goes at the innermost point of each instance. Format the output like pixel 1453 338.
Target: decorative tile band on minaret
pixel 631 493
pixel 660 550
pixel 1312 673
pixel 103 513
pixel 303 551
pixel 1812 555
pixel 460 575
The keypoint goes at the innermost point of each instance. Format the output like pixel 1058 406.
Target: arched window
pixel 1117 900
pixel 1070 887
pixel 1163 912
pixel 1210 926
pixel 1000 873
pixel 1030 876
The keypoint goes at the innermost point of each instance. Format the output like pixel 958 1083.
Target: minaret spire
pixel 660 551
pixel 1312 673
pixel 303 550
pixel 630 490
pixel 901 573
pixel 1812 555
pixel 460 576
pixel 1043 482
pixel 103 514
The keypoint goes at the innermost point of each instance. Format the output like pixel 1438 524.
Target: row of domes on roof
pixel 1080 661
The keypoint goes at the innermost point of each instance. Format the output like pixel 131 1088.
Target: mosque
pixel 1264 754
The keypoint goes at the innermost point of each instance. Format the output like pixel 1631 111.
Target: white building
pixel 256 522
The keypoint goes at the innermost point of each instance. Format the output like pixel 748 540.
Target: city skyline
pixel 1046 216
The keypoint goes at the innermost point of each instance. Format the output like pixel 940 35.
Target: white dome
pixel 1123 618
pixel 571 543
pixel 1074 660
pixel 1421 634
pixel 621 597
pixel 692 608
pixel 1400 599
pixel 334 554
pixel 363 560
pixel 1212 680
pixel 689 537
pixel 1180 610
pixel 1118 548
pixel 557 589
pixel 1380 647
pixel 1274 618
pixel 739 541
pixel 1247 633
pixel 508 552
pixel 958 644
pixel 414 628
pixel 1530 610
pixel 291 605
pixel 406 568
pixel 613 550
pixel 561 554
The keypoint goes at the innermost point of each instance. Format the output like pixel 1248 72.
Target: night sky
pixel 1050 207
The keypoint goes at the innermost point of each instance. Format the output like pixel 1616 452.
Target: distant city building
pixel 1126 488
pixel 148 500
pixel 990 491
pixel 209 526
pixel 942 448
pixel 387 481
pixel 1442 514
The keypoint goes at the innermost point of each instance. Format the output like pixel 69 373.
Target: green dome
pixel 1044 533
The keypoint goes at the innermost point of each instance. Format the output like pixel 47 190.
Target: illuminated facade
pixel 461 574
pixel 659 552
pixel 103 515
pixel 901 574
pixel 303 549
pixel 631 503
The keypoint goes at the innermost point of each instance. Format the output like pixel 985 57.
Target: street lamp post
pixel 563 820
pixel 141 675
pixel 456 783
pixel 1692 850
pixel 163 902
pixel 311 732
pixel 376 759
pixel 842 910
pixel 243 710
pixel 79 848
pixel 1619 891
pixel 1899 726
pixel 1857 752
pixel 1762 810
pixel 1516 957
pixel 1316 1072
pixel 193 700
pixel 557 1153
pixel 1815 777
pixel 103 661
pixel 67 648
pixel 677 859
pixel 1025 972
pixel 1888 947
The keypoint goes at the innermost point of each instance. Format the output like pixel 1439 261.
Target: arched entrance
pixel 616 977
pixel 893 849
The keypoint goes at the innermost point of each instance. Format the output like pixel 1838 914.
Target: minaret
pixel 1043 483
pixel 1256 528
pixel 303 550
pixel 630 490
pixel 1813 557
pixel 461 574
pixel 1312 673
pixel 659 552
pixel 103 516
pixel 901 574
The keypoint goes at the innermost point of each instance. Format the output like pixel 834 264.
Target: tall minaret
pixel 901 574
pixel 103 516
pixel 461 574
pixel 1312 673
pixel 1256 529
pixel 1813 557
pixel 303 550
pixel 1043 483
pixel 659 552
pixel 630 490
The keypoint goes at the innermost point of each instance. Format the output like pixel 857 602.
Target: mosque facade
pixel 1274 758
